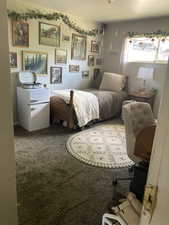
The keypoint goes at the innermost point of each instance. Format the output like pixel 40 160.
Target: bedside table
pixel 143 97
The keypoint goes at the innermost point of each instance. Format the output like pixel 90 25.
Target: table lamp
pixel 145 73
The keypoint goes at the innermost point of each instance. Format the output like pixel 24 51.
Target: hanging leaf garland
pixel 157 34
pixel 36 14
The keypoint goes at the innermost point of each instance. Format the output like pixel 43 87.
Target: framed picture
pixel 55 75
pixel 61 56
pixel 20 34
pixel 74 68
pixel 94 46
pixel 35 61
pixel 13 59
pixel 65 38
pixel 91 60
pixel 49 34
pixel 78 47
pixel 85 74
pixel 96 73
pixel 98 61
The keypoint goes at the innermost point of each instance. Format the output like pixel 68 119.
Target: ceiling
pixel 102 11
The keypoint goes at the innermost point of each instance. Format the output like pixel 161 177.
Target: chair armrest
pixel 144 142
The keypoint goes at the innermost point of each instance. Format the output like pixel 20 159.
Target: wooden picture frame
pixel 13 59
pixel 55 75
pixel 20 34
pixel 74 68
pixel 61 56
pixel 95 47
pixel 35 61
pixel 49 34
pixel 79 46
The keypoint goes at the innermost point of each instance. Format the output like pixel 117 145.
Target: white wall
pixel 7 162
pixel 69 80
pixel 115 35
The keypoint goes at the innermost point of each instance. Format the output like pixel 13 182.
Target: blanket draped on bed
pixel 85 104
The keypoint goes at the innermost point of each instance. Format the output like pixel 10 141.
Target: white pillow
pixel 112 82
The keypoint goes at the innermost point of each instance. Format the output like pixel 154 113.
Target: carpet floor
pixel 56 189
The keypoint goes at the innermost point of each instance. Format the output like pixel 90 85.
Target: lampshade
pixel 146 73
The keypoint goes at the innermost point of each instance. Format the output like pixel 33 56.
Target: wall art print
pixel 20 34
pixel 78 51
pixel 61 56
pixel 13 59
pixel 55 75
pixel 35 61
pixel 95 46
pixel 74 68
pixel 49 34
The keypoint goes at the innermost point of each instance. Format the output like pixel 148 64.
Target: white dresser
pixel 33 108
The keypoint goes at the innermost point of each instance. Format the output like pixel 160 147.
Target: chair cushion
pixel 113 82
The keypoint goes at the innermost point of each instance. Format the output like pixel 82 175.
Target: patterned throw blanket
pixel 85 104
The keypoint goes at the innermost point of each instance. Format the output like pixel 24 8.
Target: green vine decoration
pixel 36 14
pixel 157 34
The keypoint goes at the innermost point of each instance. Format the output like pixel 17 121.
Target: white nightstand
pixel 33 108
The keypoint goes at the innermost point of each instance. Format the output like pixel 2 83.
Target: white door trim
pixel 159 164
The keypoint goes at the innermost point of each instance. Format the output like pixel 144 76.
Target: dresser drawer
pixel 39 116
pixel 39 95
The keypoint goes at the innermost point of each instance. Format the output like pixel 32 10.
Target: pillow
pixel 112 82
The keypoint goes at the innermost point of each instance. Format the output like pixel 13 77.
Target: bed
pixel 109 97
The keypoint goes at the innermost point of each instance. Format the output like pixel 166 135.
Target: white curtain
pixel 124 55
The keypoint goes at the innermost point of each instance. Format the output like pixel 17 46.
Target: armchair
pixel 140 129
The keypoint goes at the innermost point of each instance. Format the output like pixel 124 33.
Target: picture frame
pixel 35 61
pixel 79 45
pixel 95 47
pixel 49 34
pixel 98 61
pixel 90 60
pixel 85 74
pixel 55 75
pixel 13 59
pixel 96 73
pixel 20 34
pixel 74 68
pixel 61 56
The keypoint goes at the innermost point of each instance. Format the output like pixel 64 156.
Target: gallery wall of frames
pixel 60 56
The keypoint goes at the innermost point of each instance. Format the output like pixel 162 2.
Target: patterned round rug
pixel 102 146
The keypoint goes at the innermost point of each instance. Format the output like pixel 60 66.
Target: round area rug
pixel 102 146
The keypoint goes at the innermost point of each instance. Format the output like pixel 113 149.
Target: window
pixel 147 50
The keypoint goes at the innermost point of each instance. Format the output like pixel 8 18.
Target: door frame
pixel 158 164
pixel 8 202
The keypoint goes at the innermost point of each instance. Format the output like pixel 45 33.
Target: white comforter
pixel 86 105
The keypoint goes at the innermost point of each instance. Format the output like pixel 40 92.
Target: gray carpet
pixel 56 189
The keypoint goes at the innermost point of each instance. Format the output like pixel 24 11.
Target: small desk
pixel 143 97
